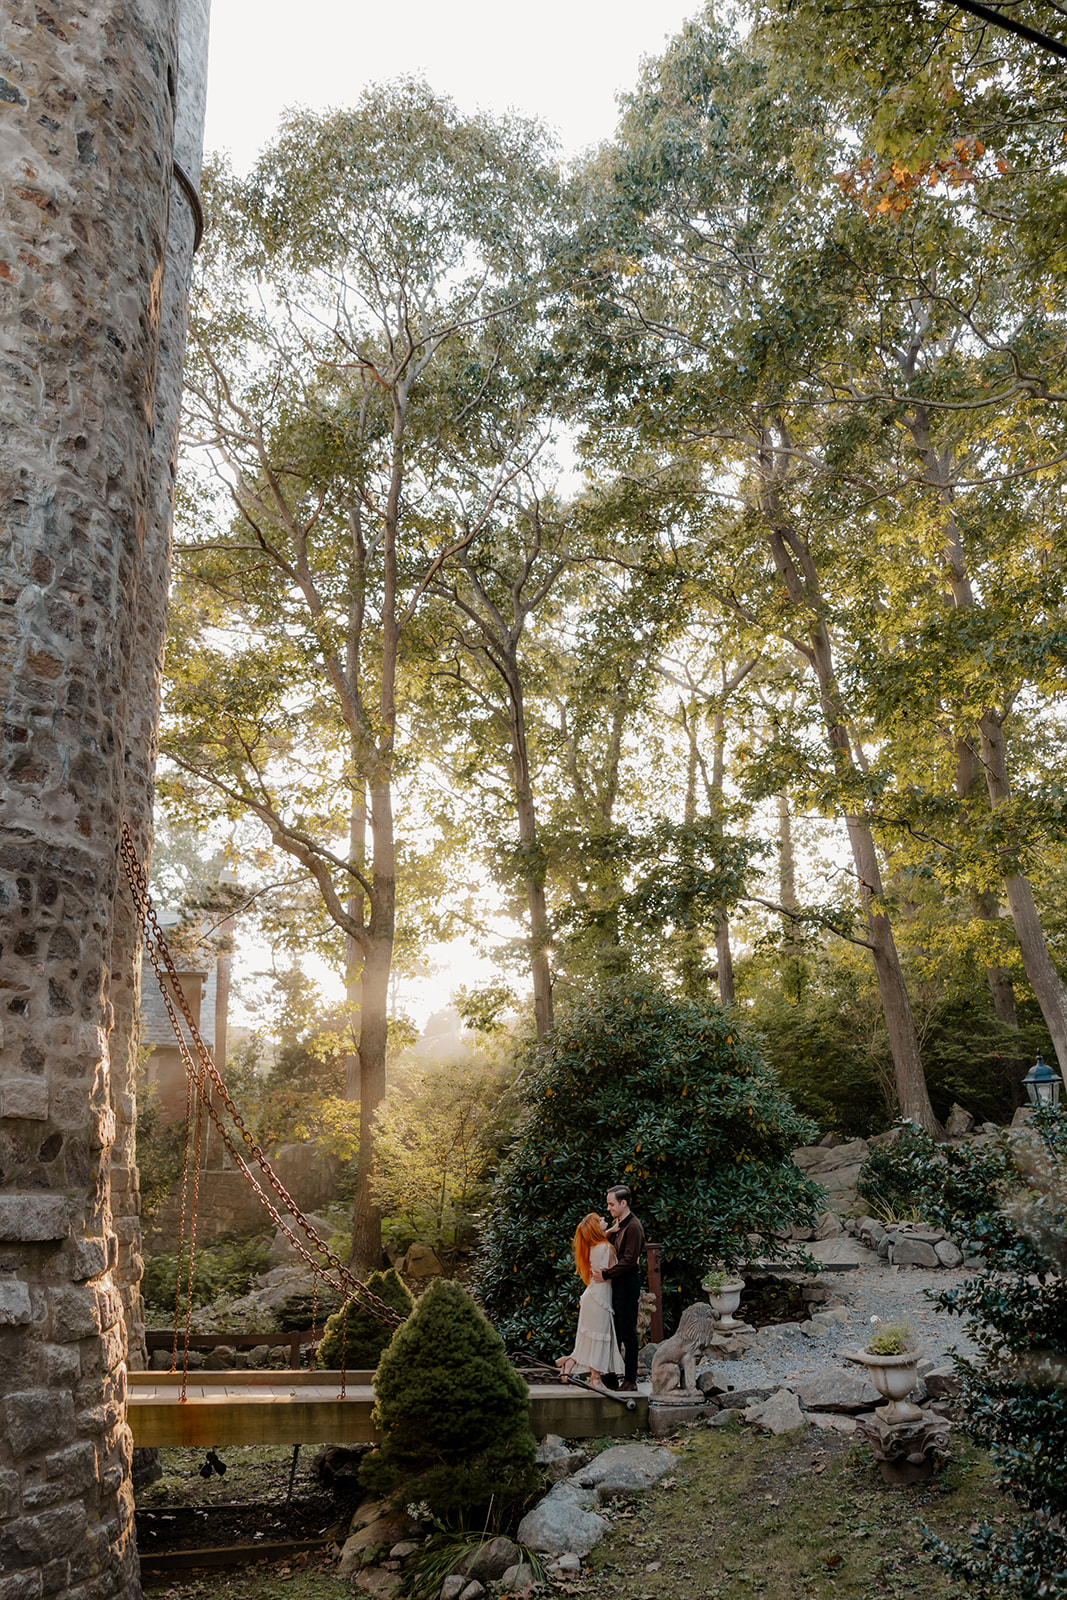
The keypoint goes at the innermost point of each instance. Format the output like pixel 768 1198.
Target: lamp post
pixel 1042 1085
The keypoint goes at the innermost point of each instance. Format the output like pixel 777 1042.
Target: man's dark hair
pixel 621 1192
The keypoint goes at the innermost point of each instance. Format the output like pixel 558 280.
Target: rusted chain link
pixel 206 1075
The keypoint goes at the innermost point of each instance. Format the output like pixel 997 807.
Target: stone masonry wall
pixel 147 666
pixel 86 117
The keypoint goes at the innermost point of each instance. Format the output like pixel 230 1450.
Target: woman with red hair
pixel 595 1345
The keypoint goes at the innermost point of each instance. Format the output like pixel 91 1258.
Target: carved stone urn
pixel 894 1377
pixel 725 1301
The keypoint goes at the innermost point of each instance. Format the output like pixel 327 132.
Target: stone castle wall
pixel 87 99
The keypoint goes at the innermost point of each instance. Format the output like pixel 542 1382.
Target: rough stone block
pixel 24 1097
pixel 75 1314
pixel 943 1382
pixel 110 1305
pixel 34 1218
pixel 837 1389
pixel 37 1418
pixel 46 1537
pixel 21 1586
pixel 39 1496
pixel 55 1577
pixel 10 1486
pixel 631 1468
pixel 90 1259
pixel 662 1422
pixel 490 1561
pixel 15 1308
pixel 62 1365
pixel 566 1519
pixel 74 1468
pixel 907 1252
pixel 958 1123
pixel 949 1254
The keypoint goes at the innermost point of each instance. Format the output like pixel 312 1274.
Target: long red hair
pixel 588 1233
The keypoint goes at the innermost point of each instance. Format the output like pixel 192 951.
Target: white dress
pixel 595 1345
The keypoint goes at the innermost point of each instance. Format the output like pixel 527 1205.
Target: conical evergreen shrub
pixel 453 1413
pixel 353 1337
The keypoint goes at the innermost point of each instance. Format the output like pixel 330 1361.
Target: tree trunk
pixel 83 227
pixel 985 904
pixel 1046 982
pixel 374 1021
pixel 526 818
pixel 795 564
pixel 724 961
pixel 374 1027
pixel 357 851
pixel 1048 986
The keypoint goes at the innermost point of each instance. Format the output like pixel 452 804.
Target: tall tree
pixel 702 194
pixel 356 392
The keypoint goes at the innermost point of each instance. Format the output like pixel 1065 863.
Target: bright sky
pixel 564 60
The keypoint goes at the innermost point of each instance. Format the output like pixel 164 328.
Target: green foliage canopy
pixel 663 1094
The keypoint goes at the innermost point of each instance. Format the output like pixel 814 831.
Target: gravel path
pixel 892 1294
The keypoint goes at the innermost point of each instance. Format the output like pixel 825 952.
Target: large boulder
pixel 780 1414
pixel 420 1262
pixel 491 1560
pixel 906 1251
pixel 837 1389
pixel 840 1252
pixel 283 1254
pixel 558 1459
pixel 566 1519
pixel 386 1529
pixel 958 1122
pixel 626 1469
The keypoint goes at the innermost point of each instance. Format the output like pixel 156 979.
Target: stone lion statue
pixel 674 1365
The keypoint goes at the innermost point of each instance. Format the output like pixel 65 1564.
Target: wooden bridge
pixel 280 1407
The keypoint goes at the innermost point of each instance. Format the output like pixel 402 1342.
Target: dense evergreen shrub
pixel 637 1086
pixel 453 1414
pixel 958 1187
pixel 354 1337
pixel 1014 1398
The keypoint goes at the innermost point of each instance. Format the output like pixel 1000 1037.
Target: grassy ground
pixel 784 1518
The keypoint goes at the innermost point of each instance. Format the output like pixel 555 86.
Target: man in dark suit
pixel 628 1237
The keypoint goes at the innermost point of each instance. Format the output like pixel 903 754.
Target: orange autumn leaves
pixel 889 190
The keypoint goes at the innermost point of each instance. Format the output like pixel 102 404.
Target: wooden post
pixel 656 1286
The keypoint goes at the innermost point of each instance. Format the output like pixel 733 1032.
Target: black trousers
pixel 625 1297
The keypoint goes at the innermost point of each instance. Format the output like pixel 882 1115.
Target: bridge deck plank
pixel 265 1410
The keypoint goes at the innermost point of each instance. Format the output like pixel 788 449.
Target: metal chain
pixel 347 1285
pixel 189 1084
pixel 192 1242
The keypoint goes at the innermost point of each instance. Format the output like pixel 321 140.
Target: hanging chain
pixel 205 1074
pixel 192 1242
pixel 189 1089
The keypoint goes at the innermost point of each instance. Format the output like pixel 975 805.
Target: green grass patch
pixel 786 1518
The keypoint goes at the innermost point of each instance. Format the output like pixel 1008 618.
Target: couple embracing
pixel 608 1260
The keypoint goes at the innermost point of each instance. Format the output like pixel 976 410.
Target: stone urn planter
pixel 725 1297
pixel 894 1376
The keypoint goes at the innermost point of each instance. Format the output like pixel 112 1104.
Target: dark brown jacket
pixel 629 1242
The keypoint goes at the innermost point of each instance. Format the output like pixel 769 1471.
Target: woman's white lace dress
pixel 595 1345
